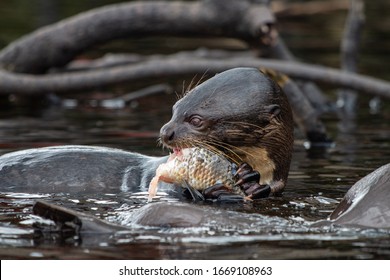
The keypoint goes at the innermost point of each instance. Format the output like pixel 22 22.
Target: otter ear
pixel 273 110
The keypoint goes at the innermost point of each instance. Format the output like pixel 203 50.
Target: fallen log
pixel 57 44
pixel 26 84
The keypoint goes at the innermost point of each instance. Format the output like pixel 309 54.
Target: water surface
pixel 279 227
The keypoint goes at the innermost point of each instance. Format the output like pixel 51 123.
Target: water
pixel 280 227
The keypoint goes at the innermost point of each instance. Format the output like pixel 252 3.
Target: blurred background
pixel 313 35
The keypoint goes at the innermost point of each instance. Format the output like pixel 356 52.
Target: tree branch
pixel 57 44
pixel 26 84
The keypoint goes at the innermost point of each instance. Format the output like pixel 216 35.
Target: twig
pixel 155 89
pixel 112 60
pixel 108 60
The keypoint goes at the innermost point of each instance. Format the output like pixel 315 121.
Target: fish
pixel 198 167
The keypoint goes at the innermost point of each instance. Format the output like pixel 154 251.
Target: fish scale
pixel 199 167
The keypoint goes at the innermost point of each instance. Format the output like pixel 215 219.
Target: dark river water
pixel 274 228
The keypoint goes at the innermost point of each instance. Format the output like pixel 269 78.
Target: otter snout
pixel 167 133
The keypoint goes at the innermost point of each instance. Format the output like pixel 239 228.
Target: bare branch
pixel 160 68
pixel 57 44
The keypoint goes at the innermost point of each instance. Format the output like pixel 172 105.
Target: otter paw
pixel 221 193
pixel 248 180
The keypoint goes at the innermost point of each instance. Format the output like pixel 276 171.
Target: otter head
pixel 242 113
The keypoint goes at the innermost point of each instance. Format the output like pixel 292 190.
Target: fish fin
pixel 196 195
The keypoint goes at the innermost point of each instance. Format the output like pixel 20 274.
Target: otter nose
pixel 167 133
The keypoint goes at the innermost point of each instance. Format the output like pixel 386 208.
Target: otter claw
pixel 242 170
pixel 252 176
pixel 262 191
pixel 215 191
pixel 221 193
pixel 248 180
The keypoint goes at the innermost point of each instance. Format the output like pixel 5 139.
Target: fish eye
pixel 196 121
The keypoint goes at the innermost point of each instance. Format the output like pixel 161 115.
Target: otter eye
pixel 196 121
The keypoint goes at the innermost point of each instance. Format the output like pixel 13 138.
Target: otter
pixel 76 169
pixel 244 114
pixel 365 205
pixel 240 112
pixel 367 202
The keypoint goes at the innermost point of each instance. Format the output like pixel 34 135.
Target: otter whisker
pixel 159 142
pixel 190 86
pixel 203 144
pixel 231 148
pixel 233 153
pixel 193 84
pixel 233 157
pixel 201 78
pixel 178 95
pixel 240 150
pixel 246 124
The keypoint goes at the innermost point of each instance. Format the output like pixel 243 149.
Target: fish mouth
pixel 177 151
